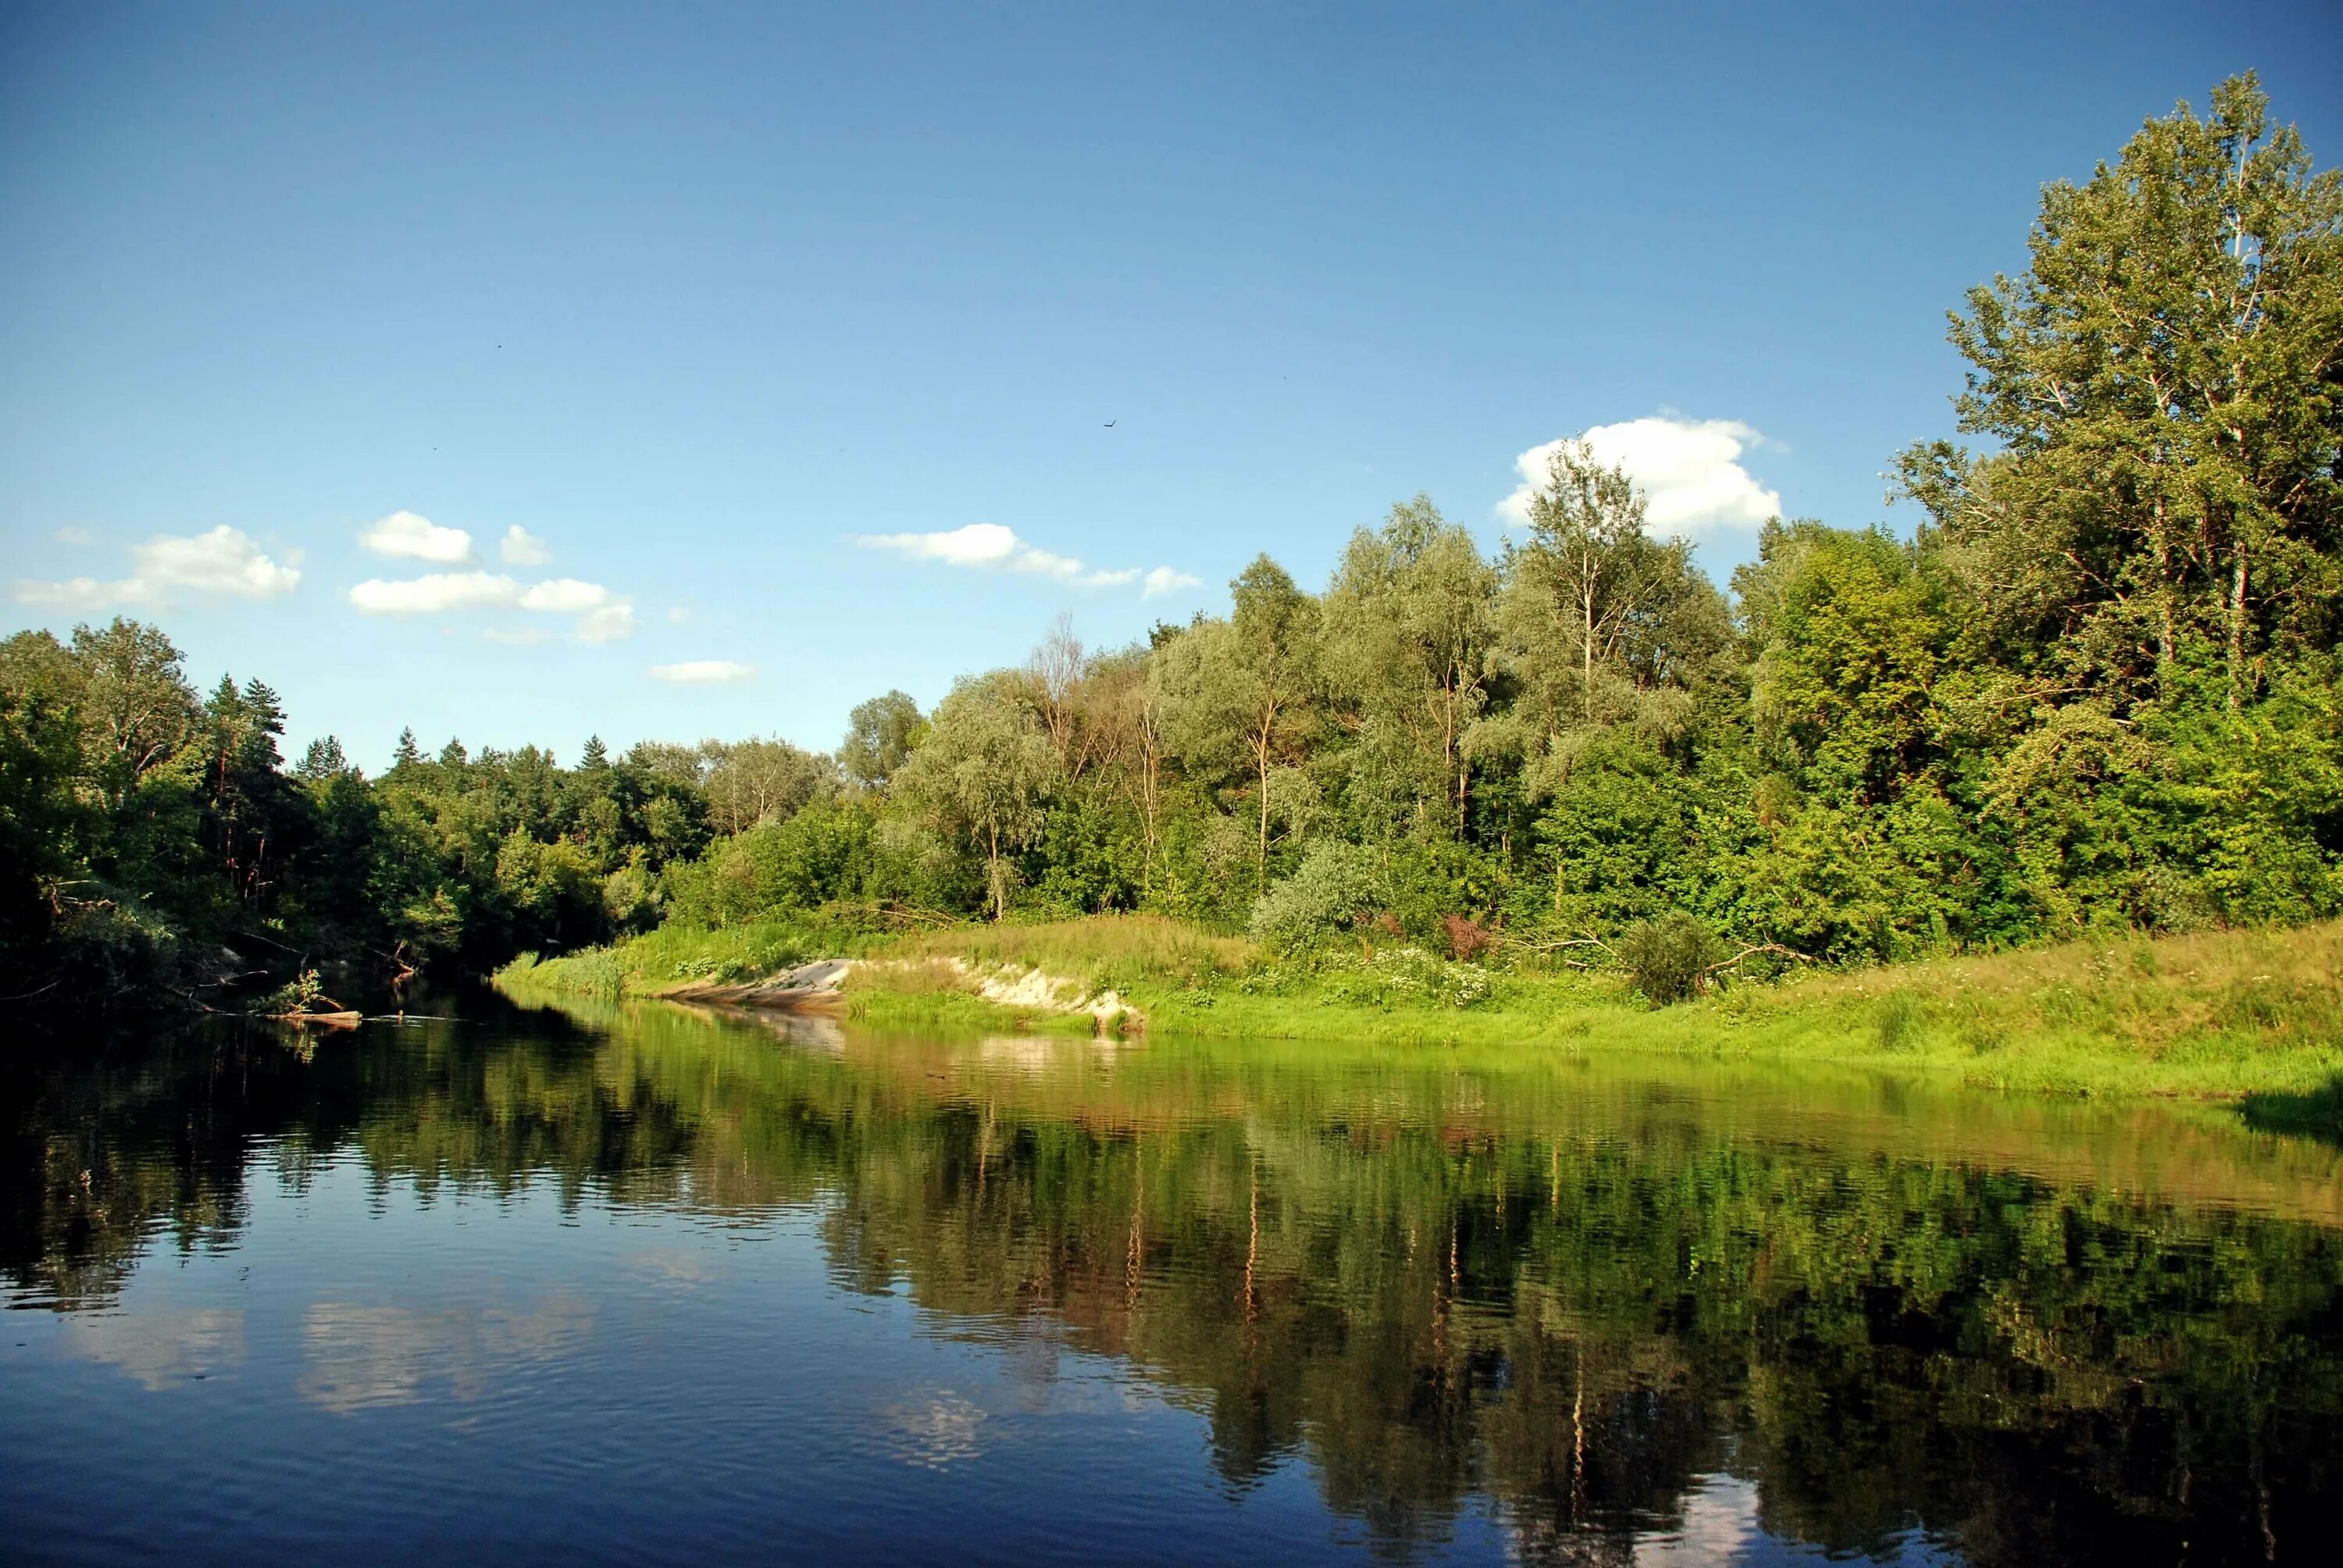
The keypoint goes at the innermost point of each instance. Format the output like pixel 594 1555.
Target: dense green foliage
pixel 2097 689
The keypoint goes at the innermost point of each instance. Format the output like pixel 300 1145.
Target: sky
pixel 526 372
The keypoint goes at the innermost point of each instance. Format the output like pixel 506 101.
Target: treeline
pixel 2097 688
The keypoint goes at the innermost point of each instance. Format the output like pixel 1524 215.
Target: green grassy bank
pixel 2216 1015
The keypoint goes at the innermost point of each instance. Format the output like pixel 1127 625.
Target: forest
pixel 2093 685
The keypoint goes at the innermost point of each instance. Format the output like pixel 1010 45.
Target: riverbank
pixel 2216 1015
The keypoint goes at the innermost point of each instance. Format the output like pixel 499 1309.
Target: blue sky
pixel 704 300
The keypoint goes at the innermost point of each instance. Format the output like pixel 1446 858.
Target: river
pixel 637 1283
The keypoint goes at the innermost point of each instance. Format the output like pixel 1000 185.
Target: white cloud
pixel 565 595
pixel 602 615
pixel 678 615
pixel 702 671
pixel 992 545
pixel 223 562
pixel 74 536
pixel 1164 580
pixel 608 623
pixel 977 545
pixel 74 593
pixel 1689 468
pixel 407 536
pixel 520 548
pixel 435 593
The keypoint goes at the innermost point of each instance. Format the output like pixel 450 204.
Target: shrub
pixel 1668 958
pixel 1467 939
pixel 1335 886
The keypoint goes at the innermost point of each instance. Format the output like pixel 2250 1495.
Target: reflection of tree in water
pixel 1423 1302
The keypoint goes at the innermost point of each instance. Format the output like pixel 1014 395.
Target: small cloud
pixel 991 546
pixel 602 615
pixel 977 545
pixel 74 536
pixel 678 615
pixel 74 593
pixel 1164 580
pixel 222 563
pixel 702 672
pixel 407 536
pixel 519 548
pixel 565 595
pixel 225 561
pixel 1690 470
pixel 609 623
pixel 435 594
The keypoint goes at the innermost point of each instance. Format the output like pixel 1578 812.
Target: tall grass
pixel 1122 952
pixel 672 957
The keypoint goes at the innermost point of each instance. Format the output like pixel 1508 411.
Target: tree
pixel 1057 671
pixel 323 760
pixel 136 708
pixel 1410 631
pixel 1604 623
pixel 43 826
pixel 2163 380
pixel 879 736
pixel 981 773
pixel 1246 684
pixel 750 781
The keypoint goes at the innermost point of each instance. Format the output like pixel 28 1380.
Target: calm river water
pixel 651 1284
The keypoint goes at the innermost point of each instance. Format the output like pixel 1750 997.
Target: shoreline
pixel 2232 1017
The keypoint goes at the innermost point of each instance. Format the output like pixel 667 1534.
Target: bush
pixel 1336 885
pixel 1668 958
pixel 1467 940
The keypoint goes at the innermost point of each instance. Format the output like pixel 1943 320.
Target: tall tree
pixel 1411 624
pixel 1247 684
pixel 2164 381
pixel 981 774
pixel 136 708
pixel 879 736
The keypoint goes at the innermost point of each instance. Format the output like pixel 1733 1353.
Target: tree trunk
pixel 2166 640
pixel 1261 861
pixel 1587 640
pixel 992 864
pixel 2238 632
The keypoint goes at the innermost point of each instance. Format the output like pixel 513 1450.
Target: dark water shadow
pixel 2318 1114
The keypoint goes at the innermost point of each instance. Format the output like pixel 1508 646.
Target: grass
pixel 672 958
pixel 921 992
pixel 916 992
pixel 2218 1015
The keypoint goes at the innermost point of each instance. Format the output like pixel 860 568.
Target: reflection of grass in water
pixel 2318 1113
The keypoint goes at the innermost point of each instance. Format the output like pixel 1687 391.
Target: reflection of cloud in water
pixel 934 1429
pixel 1720 1525
pixel 675 1268
pixel 364 1357
pixel 160 1349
